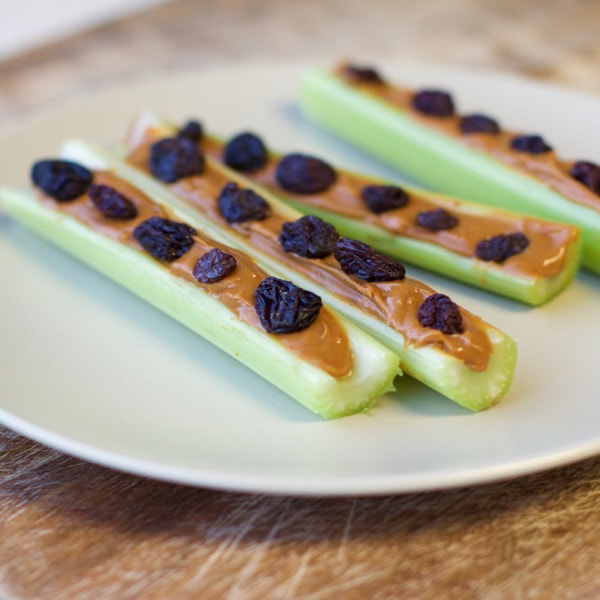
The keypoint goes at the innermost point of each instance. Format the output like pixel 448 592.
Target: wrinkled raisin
pixel 439 312
pixel 309 236
pixel 381 198
pixel 214 265
pixel 437 219
pixel 435 103
pixel 361 260
pixel 174 158
pixel 245 152
pixel 588 173
pixel 111 203
pixel 500 247
pixel 477 123
pixel 238 205
pixel 62 179
pixel 363 74
pixel 192 130
pixel 532 144
pixel 304 174
pixel 284 307
pixel 164 239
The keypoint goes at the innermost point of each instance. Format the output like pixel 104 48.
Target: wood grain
pixel 70 529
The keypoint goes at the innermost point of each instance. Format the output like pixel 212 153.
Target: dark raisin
pixel 245 152
pixel 111 203
pixel 439 312
pixel 309 236
pixel 304 174
pixel 214 265
pixel 284 307
pixel 381 198
pixel 435 103
pixel 62 179
pixel 363 74
pixel 174 158
pixel 238 205
pixel 164 239
pixel 436 219
pixel 477 123
pixel 588 173
pixel 192 130
pixel 361 260
pixel 532 144
pixel 500 247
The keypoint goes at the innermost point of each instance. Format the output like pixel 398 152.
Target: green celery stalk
pixel 390 135
pixel 375 367
pixel 489 276
pixel 431 365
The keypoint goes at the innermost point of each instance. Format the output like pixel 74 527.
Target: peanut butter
pixel 545 167
pixel 324 344
pixel 395 303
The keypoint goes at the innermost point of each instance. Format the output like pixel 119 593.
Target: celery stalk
pixel 393 137
pixel 374 365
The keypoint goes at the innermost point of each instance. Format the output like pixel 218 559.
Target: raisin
pixel 284 307
pixel 62 179
pixel 477 123
pixel 588 173
pixel 436 219
pixel 361 260
pixel 245 152
pixel 192 130
pixel 164 239
pixel 381 198
pixel 174 158
pixel 304 174
pixel 532 144
pixel 435 103
pixel 238 205
pixel 111 203
pixel 500 247
pixel 439 312
pixel 309 236
pixel 363 74
pixel 214 265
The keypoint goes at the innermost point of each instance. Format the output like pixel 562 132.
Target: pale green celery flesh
pixel 437 369
pixel 396 139
pixel 374 365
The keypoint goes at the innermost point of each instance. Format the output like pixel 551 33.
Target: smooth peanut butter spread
pixel 546 167
pixel 544 257
pixel 395 303
pixel 324 343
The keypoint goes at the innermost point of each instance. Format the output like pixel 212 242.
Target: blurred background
pixel 53 51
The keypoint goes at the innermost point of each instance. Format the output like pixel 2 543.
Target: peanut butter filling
pixel 544 257
pixel 395 303
pixel 545 167
pixel 324 344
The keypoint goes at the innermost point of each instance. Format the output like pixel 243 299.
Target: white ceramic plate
pixel 90 369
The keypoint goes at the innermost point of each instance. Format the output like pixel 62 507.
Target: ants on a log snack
pixel 423 134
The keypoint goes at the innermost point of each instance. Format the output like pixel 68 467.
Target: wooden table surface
pixel 69 529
